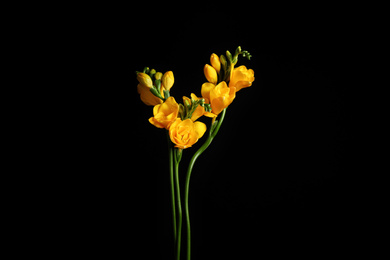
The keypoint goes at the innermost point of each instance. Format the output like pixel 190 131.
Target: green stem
pixel 170 151
pixel 213 133
pixel 177 156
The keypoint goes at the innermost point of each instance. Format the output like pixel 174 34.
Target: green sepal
pixel 181 111
pixel 207 107
pixel 167 94
pixel 156 93
pixel 157 84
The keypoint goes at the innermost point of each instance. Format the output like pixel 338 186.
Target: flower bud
pixel 214 60
pixel 145 80
pixel 152 72
pixel 158 75
pixel 146 70
pixel 168 80
pixel 211 74
pixel 229 56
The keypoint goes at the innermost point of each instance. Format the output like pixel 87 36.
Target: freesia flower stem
pixel 177 157
pixel 213 132
pixel 171 170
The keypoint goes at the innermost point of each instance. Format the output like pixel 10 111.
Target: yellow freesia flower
pixel 186 133
pixel 241 77
pixel 220 96
pixel 210 74
pixel 165 114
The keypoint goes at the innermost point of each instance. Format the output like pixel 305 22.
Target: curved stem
pixel 213 133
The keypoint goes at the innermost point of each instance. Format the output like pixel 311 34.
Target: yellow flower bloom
pixel 241 77
pixel 220 96
pixel 211 74
pixel 168 80
pixel 165 114
pixel 215 62
pixel 186 133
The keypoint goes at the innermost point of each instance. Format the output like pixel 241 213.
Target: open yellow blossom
pixel 165 114
pixel 241 77
pixel 186 133
pixel 220 96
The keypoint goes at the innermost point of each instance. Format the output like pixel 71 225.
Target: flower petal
pixel 200 128
pixel 147 97
pixel 206 88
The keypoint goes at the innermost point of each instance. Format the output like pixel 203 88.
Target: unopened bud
pixel 145 80
pixel 158 75
pixel 168 80
pixel 146 70
pixel 238 50
pixel 229 56
pixel 210 74
pixel 214 60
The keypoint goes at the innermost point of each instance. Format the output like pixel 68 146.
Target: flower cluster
pixel 223 82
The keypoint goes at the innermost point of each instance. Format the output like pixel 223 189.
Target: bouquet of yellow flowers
pixel 224 80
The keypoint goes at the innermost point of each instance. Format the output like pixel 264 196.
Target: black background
pixel 278 178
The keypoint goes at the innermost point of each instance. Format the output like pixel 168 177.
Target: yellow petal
pixel 186 125
pixel 193 96
pixel 147 97
pixel 170 105
pixel 154 122
pixel 242 84
pixel 208 114
pixel 241 78
pixel 206 88
pixel 200 128
pixel 199 111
